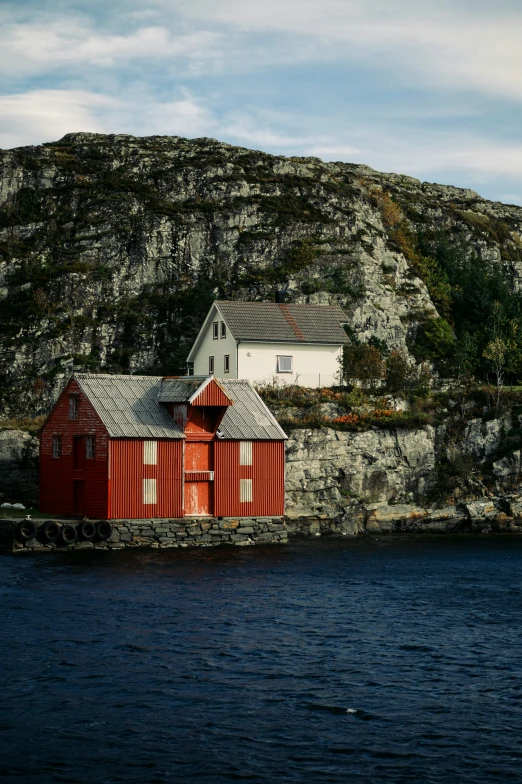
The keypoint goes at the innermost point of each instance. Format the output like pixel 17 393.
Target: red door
pixel 78 453
pixel 199 498
pixel 199 481
pixel 79 498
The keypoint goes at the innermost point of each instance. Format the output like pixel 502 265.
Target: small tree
pixel 362 362
pixel 496 352
pixel 397 371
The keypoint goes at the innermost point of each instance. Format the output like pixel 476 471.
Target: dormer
pixel 197 404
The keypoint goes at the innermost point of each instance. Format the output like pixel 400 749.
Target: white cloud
pixel 28 47
pixel 444 45
pixel 46 115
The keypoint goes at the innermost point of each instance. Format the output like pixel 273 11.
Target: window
pixel 150 453
pixel 245 453
pixel 284 364
pixel 210 366
pixel 149 491
pixel 73 406
pixel 245 490
pixel 57 446
pixel 223 329
pixel 215 330
pixel 90 447
pixel 227 363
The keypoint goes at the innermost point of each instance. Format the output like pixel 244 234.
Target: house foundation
pixel 153 533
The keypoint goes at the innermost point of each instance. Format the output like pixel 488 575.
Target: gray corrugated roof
pixel 128 405
pixel 248 418
pixel 180 390
pixel 270 321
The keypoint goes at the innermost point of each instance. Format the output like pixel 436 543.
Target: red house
pixel 117 447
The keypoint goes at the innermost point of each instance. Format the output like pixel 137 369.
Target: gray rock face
pixel 18 466
pixel 328 470
pixel 112 247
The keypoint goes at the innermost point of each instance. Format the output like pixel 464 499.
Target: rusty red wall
pixel 127 472
pixel 57 475
pixel 212 395
pixel 268 479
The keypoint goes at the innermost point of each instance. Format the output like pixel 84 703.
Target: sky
pixel 429 88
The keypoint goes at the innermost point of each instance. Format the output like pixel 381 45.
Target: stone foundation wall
pixel 160 534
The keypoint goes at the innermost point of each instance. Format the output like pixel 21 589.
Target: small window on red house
pixel 90 447
pixel 57 446
pixel 73 406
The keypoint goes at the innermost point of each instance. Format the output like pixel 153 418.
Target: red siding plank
pixel 128 472
pixel 57 474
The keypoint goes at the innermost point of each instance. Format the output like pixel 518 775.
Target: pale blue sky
pixel 431 89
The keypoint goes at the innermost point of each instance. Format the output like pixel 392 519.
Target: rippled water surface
pixel 393 660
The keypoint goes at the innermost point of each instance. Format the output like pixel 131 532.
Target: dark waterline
pixel 361 660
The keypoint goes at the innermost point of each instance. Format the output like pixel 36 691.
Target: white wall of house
pixel 209 347
pixel 312 365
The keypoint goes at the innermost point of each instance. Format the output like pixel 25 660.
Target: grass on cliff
pixel 29 425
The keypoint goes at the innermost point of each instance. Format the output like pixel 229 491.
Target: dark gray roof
pixel 248 418
pixel 128 405
pixel 180 390
pixel 273 322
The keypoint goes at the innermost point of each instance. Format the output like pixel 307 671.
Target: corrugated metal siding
pixel 128 471
pixel 128 405
pixel 249 418
pixel 268 479
pixel 57 475
pixel 212 395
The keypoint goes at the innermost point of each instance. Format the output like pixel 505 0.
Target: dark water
pixel 380 660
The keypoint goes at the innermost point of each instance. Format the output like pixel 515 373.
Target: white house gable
pixel 266 342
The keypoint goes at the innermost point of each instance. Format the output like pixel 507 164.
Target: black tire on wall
pixel 87 530
pixel 103 530
pixel 26 529
pixel 69 534
pixel 50 531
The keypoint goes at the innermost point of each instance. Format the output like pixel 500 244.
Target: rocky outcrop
pixel 112 247
pixel 18 466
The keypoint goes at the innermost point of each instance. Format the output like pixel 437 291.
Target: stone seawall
pixel 156 533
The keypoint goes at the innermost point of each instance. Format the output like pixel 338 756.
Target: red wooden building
pixel 117 447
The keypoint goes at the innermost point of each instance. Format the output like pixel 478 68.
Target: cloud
pixel 444 45
pixel 46 115
pixel 28 47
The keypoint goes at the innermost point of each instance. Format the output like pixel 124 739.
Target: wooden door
pixel 199 487
pixel 79 497
pixel 199 456
pixel 199 498
pixel 78 453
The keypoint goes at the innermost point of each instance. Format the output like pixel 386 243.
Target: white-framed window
pixel 226 364
pixel 245 491
pixel 150 453
pixel 211 366
pixel 57 446
pixel 73 406
pixel 215 330
pixel 284 364
pixel 90 447
pixel 245 453
pixel 149 491
pixel 223 329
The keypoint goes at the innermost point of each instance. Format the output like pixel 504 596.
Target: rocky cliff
pixel 112 247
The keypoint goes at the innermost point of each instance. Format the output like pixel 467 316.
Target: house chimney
pixel 280 297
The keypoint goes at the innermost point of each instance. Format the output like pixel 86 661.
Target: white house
pixel 265 342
